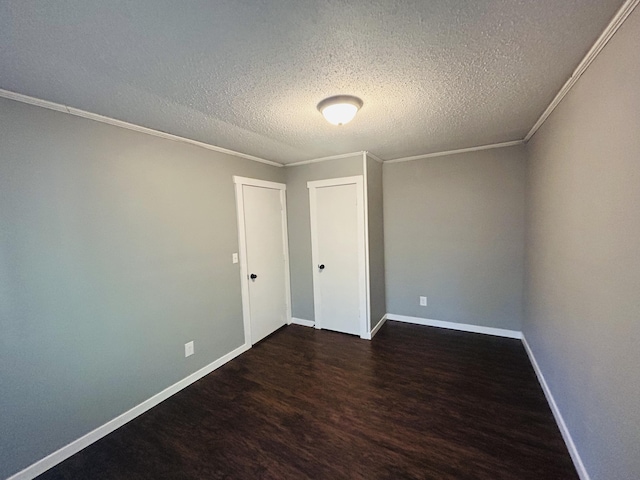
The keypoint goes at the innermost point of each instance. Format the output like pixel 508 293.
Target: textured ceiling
pixel 247 74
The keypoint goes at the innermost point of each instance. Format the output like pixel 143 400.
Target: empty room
pixel 320 239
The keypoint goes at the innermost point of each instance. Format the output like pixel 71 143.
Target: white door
pixel 264 262
pixel 337 237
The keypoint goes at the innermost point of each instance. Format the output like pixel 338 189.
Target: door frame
pixel 240 182
pixel 362 267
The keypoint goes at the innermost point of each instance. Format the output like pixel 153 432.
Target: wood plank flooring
pixel 415 403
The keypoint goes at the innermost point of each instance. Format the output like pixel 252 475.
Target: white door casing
pixel 338 243
pixel 264 252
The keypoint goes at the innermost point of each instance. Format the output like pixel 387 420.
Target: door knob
pixel 253 276
pixel 321 266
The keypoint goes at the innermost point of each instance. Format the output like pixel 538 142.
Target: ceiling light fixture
pixel 340 109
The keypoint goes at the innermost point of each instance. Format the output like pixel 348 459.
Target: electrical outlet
pixel 188 349
pixel 234 258
pixel 423 301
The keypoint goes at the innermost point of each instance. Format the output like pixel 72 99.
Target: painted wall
pixel 583 258
pixel 115 250
pixel 377 292
pixel 454 232
pixel 299 225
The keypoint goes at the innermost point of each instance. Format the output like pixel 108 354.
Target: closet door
pixel 264 266
pixel 338 252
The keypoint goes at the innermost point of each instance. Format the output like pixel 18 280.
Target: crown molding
pixel 324 159
pixel 373 157
pixel 616 22
pixel 613 26
pixel 454 152
pixel 129 126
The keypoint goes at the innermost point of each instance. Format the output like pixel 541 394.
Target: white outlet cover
pixel 188 349
pixel 423 301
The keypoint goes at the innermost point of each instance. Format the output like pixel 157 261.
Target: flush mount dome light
pixel 340 109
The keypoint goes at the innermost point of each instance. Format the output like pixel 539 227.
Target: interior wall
pixel 299 225
pixel 454 232
pixel 115 250
pixel 377 291
pixel 583 257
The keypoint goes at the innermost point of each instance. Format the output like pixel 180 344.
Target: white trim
pixel 18 97
pixel 464 327
pixel 239 183
pixel 74 447
pixel 285 246
pixel 373 157
pixel 242 249
pixel 454 152
pixel 314 254
pixel 129 126
pixel 254 182
pixel 613 26
pixel 324 159
pixel 317 302
pixel 375 329
pixel 333 182
pixel 367 273
pixel 566 435
pixel 303 322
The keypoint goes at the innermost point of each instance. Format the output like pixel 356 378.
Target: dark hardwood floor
pixel 416 402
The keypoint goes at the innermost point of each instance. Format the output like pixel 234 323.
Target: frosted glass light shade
pixel 340 109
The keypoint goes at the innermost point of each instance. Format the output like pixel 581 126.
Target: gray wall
pixel 299 225
pixel 377 303
pixel 583 258
pixel 454 232
pixel 115 250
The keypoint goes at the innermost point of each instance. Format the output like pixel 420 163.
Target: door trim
pixel 360 210
pixel 367 262
pixel 239 182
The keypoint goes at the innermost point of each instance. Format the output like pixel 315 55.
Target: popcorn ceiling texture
pixel 247 74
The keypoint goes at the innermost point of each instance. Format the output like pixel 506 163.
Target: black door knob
pixel 253 276
pixel 321 266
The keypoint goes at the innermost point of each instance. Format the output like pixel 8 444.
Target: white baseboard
pixel 375 329
pixel 464 327
pixel 573 451
pixel 303 322
pixel 74 447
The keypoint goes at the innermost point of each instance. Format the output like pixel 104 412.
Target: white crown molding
pixel 454 152
pixel 616 22
pixel 18 97
pixel 603 39
pixel 324 159
pixel 129 126
pixel 373 157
